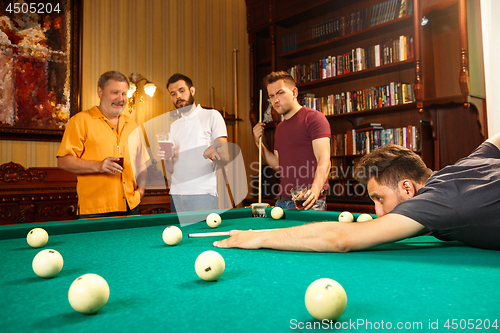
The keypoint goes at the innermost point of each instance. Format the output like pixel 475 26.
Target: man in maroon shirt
pixel 302 144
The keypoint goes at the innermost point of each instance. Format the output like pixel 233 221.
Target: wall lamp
pixel 132 94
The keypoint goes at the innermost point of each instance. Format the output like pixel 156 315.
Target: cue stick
pixel 162 161
pixel 221 233
pixel 235 97
pixel 260 149
pixel 235 128
pixel 228 187
pixel 212 95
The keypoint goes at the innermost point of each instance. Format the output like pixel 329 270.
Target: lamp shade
pixel 149 89
pixel 131 90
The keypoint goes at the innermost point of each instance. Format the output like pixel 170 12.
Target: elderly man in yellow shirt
pixel 104 187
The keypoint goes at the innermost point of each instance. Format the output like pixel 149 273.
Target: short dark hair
pixel 281 75
pixel 177 77
pixel 391 164
pixel 111 75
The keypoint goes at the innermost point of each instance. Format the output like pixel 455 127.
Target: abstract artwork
pixel 39 80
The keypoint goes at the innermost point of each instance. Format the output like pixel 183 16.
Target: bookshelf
pixel 371 61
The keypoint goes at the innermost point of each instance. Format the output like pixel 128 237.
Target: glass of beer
pixel 165 144
pixel 118 151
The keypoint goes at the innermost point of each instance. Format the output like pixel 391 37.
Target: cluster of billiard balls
pixel 348 217
pixel 325 298
pixel 87 294
pixel 209 265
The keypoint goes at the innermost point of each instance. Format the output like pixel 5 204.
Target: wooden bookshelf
pixel 446 69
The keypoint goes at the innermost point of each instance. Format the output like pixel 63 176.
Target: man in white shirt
pixel 200 145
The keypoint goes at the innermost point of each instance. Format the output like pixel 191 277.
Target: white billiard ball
pixel 364 217
pixel 213 220
pixel 325 299
pixel 346 217
pixel 37 237
pixel 47 263
pixel 209 266
pixel 277 213
pixel 172 235
pixel 88 293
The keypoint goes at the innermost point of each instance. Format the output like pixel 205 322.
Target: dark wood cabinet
pixel 49 194
pixel 443 64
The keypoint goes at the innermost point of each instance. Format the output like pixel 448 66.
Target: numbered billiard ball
pixel 277 213
pixel 364 217
pixel 172 235
pixel 325 299
pixel 213 220
pixel 88 293
pixel 37 237
pixel 346 217
pixel 47 263
pixel 209 265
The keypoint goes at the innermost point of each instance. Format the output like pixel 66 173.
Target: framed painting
pixel 40 67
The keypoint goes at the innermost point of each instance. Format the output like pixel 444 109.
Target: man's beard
pixel 183 108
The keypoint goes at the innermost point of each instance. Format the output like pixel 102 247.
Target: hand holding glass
pixel 299 196
pixel 118 151
pixel 165 149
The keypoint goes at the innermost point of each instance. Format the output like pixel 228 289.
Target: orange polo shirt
pixel 89 135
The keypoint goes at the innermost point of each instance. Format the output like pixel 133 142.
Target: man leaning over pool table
pixel 460 202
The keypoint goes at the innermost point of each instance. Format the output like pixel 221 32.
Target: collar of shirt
pixel 96 113
pixel 193 114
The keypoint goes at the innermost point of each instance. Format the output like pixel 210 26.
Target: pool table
pixel 416 284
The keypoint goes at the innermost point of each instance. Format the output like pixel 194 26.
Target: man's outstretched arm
pixel 328 236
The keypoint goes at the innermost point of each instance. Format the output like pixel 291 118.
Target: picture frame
pixel 40 68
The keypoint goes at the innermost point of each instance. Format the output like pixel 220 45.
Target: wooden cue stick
pixel 220 233
pixel 162 161
pixel 260 149
pixel 213 98
pixel 235 98
pixel 228 187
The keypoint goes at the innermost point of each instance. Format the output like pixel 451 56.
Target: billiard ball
pixel 209 265
pixel 88 293
pixel 325 299
pixel 213 220
pixel 346 217
pixel 364 217
pixel 47 263
pixel 277 213
pixel 37 237
pixel 172 235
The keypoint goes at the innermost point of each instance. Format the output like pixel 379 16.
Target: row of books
pixel 390 10
pixel 365 140
pixel 346 24
pixel 342 168
pixel 392 51
pixel 395 93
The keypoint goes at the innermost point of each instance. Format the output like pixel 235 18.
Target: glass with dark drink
pixel 299 196
pixel 299 204
pixel 119 152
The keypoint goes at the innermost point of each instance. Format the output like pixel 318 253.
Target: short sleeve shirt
pixel 462 201
pixel 293 141
pixel 192 135
pixel 89 135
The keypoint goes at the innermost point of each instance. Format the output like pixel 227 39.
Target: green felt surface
pixel 154 287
